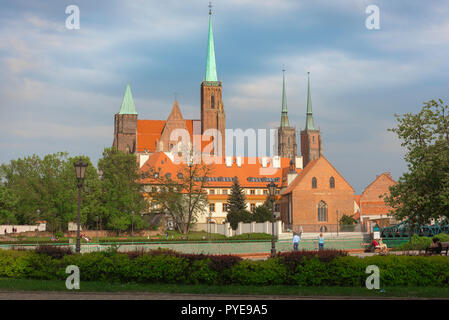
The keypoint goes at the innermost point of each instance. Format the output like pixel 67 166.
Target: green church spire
pixel 211 69
pixel 284 116
pixel 309 117
pixel 128 102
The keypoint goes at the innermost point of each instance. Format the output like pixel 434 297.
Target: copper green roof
pixel 211 69
pixel 128 103
pixel 309 117
pixel 284 116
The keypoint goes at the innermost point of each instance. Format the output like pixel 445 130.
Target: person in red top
pixel 373 245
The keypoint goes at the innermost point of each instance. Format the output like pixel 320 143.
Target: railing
pixel 324 228
pixel 208 247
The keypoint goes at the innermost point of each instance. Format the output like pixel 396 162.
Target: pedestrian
pixel 296 240
pixel 300 231
pixel 6 231
pixel 321 242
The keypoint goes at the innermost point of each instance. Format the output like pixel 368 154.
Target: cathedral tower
pixel 311 147
pixel 125 124
pixel 287 147
pixel 212 109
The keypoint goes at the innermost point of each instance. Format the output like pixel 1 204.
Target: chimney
pixel 299 162
pixel 239 162
pixel 228 161
pixel 276 162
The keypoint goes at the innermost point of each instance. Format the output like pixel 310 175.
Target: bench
pixel 436 250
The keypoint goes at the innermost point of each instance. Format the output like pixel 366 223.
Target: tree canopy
pixel 422 193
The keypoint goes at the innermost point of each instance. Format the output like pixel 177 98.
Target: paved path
pixel 61 295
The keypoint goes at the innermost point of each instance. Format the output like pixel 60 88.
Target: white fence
pixel 253 227
pixel 21 228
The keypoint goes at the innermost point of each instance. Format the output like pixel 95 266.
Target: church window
pixel 313 139
pixel 332 182
pixel 314 183
pixel 212 101
pixel 322 211
pixel 288 141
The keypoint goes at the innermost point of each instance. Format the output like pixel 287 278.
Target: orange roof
pixel 149 132
pixel 300 176
pixel 251 173
pixel 309 166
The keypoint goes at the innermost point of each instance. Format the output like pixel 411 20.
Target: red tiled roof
pixel 249 174
pixel 149 132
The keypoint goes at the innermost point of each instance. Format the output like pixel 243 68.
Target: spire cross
pixel 210 8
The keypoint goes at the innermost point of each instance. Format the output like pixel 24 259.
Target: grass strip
pixel 54 285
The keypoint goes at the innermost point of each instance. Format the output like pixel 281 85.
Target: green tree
pixel 422 193
pixel 121 191
pixel 236 200
pixel 8 203
pixel 46 184
pixel 262 213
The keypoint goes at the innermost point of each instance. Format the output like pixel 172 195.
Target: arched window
pixel 288 141
pixel 332 182
pixel 212 101
pixel 322 211
pixel 314 183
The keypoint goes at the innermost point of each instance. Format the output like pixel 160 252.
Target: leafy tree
pixel 262 214
pixel 422 193
pixel 8 203
pixel 347 220
pixel 236 216
pixel 181 194
pixel 46 184
pixel 121 191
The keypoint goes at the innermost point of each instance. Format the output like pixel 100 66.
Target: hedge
pixel 305 268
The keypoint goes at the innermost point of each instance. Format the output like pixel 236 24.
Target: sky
pixel 60 87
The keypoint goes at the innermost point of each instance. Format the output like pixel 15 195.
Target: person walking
pixel 296 241
pixel 321 242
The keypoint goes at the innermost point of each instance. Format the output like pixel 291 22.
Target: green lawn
pixel 52 285
pixel 172 236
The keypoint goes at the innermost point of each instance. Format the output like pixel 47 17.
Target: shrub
pixel 56 252
pixel 160 268
pixel 305 268
pixel 268 272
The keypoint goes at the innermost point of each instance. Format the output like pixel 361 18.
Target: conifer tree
pixel 236 199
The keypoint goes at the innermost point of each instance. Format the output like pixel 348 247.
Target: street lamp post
pixel 337 223
pixel 97 229
pixel 272 191
pixel 132 226
pixel 37 226
pixel 80 170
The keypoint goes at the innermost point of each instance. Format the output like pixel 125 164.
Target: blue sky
pixel 60 88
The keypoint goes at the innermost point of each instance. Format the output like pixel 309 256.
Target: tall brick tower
pixel 311 147
pixel 125 124
pixel 212 109
pixel 287 147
